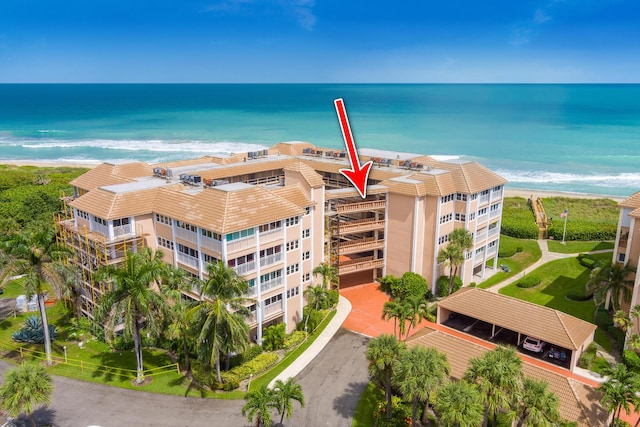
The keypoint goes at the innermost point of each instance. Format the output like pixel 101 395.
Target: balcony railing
pixel 272 309
pixel 270 284
pixel 494 214
pixel 481 236
pixel 188 260
pixel 360 245
pixel 245 268
pixel 99 228
pixel 493 231
pixel 360 264
pixel 361 225
pixel 187 235
pixel 496 195
pixel 271 235
pixel 362 206
pixel 492 250
pixel 483 199
pixel 123 230
pixel 271 259
pixel 211 244
pixel 241 244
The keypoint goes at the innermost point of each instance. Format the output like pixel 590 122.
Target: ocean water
pixel 577 138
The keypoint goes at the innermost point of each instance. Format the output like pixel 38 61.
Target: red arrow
pixel 357 174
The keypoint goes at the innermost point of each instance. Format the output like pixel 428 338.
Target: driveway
pixel 332 385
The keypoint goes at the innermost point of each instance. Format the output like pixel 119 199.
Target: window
pixel 492 244
pixel 292 221
pixel 82 214
pixel 210 234
pixel 273 300
pixel 460 217
pixel 479 250
pixel 306 277
pixel 241 260
pixel 473 196
pixel 120 222
pixel 292 245
pixel 498 188
pixel 186 226
pixel 306 233
pixel 270 251
pixel 484 192
pixel 495 207
pixel 482 211
pixel 293 292
pixel 472 216
pixel 621 257
pixel 165 243
pixel 293 268
pixel 461 197
pixel 307 210
pixel 306 255
pixel 448 198
pixel 187 250
pixel 209 259
pixel 271 276
pixel 164 219
pixel 240 234
pixel 443 239
pixel 271 226
pixel 446 218
pixel 99 220
pixel 468 255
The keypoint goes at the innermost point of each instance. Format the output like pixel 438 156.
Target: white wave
pixel 544 177
pixel 444 157
pixel 154 145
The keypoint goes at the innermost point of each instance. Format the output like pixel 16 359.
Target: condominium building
pixel 273 215
pixel 627 247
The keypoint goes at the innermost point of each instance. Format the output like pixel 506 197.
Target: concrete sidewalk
pixel 546 257
pixel 342 311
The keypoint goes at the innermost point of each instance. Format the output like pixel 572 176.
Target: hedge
pixel 529 281
pixel 254 367
pixel 443 285
pixel 587 356
pixel 582 230
pixel 517 219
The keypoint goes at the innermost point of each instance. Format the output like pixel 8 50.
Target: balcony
pixel 482 235
pixel 493 231
pixel 241 244
pixel 188 260
pixel 357 226
pixel 495 213
pixel 272 310
pixel 492 250
pixel 101 229
pixel 360 245
pixel 270 284
pixel 186 235
pixel 495 195
pixel 123 230
pixel 211 244
pixel 271 259
pixel 360 264
pixel 483 200
pixel 270 236
pixel 362 206
pixel 245 268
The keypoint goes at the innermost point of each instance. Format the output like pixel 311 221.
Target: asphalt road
pixel 332 385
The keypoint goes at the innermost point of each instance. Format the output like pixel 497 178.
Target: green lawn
pixel 578 247
pixel 516 263
pixel 604 211
pixel 560 278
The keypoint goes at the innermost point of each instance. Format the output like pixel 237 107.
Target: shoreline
pixel 508 192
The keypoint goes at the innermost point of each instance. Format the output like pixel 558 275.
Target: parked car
pixel 533 344
pixel 558 354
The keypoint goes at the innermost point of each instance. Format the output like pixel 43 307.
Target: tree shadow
pixel 43 416
pixel 345 404
pixel 109 371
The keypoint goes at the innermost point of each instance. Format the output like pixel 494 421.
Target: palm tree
pixel 459 404
pixel 317 296
pixel 39 258
pixel 259 404
pixel 419 309
pixel 131 299
pixel 70 289
pixel 417 373
pixel 172 286
pixel 610 283
pixel 381 354
pixel 538 406
pixel 453 254
pixel 220 316
pixel 620 392
pixel 391 310
pixel 26 387
pixel 328 272
pixel 286 392
pixel 497 374
pixel 621 320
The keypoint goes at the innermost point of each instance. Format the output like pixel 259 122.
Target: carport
pixel 523 318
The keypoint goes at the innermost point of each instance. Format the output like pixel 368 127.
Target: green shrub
pixel 587 262
pixel 332 297
pixel 603 318
pixel 443 285
pixel 631 360
pixel 518 220
pixel 273 337
pixel 600 365
pixel 230 385
pixel 579 296
pixel 618 336
pixel 529 281
pixel 586 359
pixel 203 375
pixel 412 285
pixel 315 317
pixel 294 339
pixel 472 284
pixel 251 353
pixel 388 282
pixel 256 366
pixel 583 230
pixel 32 331
pixel 507 252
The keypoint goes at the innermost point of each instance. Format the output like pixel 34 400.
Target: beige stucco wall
pixel 400 218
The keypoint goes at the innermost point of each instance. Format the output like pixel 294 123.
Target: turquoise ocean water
pixel 578 138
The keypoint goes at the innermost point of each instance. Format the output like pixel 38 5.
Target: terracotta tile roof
pixel 226 208
pixel 550 325
pixel 293 194
pixel 109 174
pixel 471 177
pixel 291 148
pixel 578 402
pixel 312 177
pixel 245 168
pixel 351 192
pixel 632 202
pixel 221 159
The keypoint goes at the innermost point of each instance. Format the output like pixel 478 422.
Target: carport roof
pixel 578 401
pixel 550 325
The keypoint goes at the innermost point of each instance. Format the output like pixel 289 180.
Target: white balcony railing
pixel 270 284
pixel 495 213
pixel 211 244
pixel 122 230
pixel 483 199
pixel 271 259
pixel 188 260
pixel 496 195
pixel 271 235
pixel 493 231
pixel 241 244
pixel 187 235
pixel 492 250
pixel 245 268
pixel 99 228
pixel 481 236
pixel 272 309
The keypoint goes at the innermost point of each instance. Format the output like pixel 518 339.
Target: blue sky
pixel 231 41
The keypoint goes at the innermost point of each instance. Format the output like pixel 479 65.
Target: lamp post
pixel 64 348
pixel 249 384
